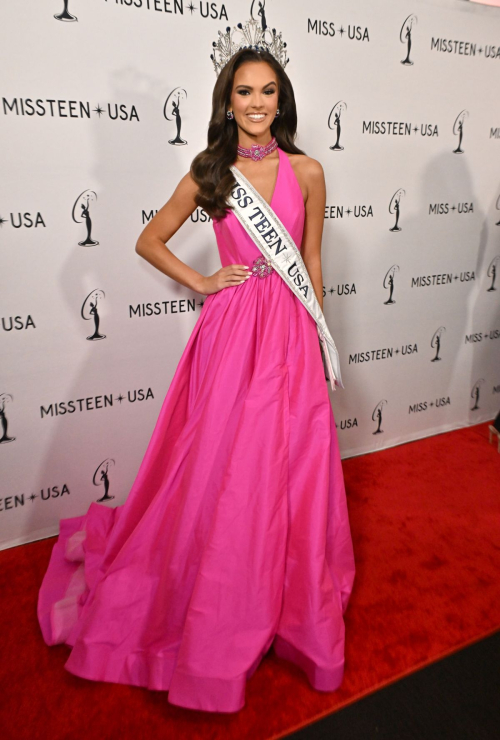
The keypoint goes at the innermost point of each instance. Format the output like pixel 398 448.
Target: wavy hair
pixel 210 168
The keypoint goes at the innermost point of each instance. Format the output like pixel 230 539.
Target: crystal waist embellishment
pixel 262 267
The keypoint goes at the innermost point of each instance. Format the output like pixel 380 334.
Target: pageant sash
pixel 272 238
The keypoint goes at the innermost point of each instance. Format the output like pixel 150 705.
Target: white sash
pixel 276 244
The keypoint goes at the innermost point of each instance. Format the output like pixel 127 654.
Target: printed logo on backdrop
pixel 172 109
pixel 336 113
pixel 81 214
pixel 476 392
pixel 416 408
pixel 90 311
pixel 377 416
pixel 199 215
pixel 56 108
pixel 492 272
pixel 206 8
pixel 405 36
pixel 19 499
pixel 394 207
pixel 162 308
pixel 341 289
pixel 383 353
pixel 399 128
pixel 497 206
pixel 358 211
pixel 440 209
pixel 5 399
pixel 261 11
pixel 458 130
pixel 479 336
pixel 65 15
pixel 412 409
pixel 101 478
pixel 444 278
pixel 350 423
pixel 17 322
pixel 93 403
pixel 24 220
pixel 388 283
pixel 327 28
pixel 464 48
pixel 436 342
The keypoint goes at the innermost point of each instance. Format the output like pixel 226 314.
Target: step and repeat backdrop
pixel 104 103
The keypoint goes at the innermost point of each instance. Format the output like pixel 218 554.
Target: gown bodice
pixel 236 246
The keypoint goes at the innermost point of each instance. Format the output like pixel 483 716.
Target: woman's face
pixel 255 91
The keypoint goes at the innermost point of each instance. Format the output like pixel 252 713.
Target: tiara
pixel 248 36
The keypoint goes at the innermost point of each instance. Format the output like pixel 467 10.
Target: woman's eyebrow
pixel 251 88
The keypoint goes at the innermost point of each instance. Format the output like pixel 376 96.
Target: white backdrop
pixel 90 150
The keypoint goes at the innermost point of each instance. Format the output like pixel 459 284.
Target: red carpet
pixel 425 519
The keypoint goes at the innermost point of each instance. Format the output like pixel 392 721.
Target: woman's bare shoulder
pixel 187 185
pixel 308 171
pixel 174 212
pixel 183 196
pixel 307 165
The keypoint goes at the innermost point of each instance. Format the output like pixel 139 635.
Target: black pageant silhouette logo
pixel 172 109
pixel 5 398
pixel 377 416
pixel 81 214
pixel 395 208
pixel 389 283
pixel 475 393
pixel 101 478
pixel 491 272
pixel 90 311
pixel 65 15
pixel 261 11
pixel 406 35
pixel 458 130
pixel 436 342
pixel 334 118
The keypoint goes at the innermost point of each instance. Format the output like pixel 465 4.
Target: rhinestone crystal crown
pixel 248 36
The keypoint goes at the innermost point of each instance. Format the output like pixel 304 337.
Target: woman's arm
pixel 313 177
pixel 151 244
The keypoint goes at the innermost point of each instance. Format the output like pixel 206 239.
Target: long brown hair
pixel 210 168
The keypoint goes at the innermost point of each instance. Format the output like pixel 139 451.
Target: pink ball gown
pixel 235 535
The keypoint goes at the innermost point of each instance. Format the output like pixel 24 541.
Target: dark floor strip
pixel 456 698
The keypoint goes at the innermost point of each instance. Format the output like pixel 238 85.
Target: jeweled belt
pixel 262 267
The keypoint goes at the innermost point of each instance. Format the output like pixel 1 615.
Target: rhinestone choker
pixel 258 151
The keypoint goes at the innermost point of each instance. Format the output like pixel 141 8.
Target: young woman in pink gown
pixel 235 535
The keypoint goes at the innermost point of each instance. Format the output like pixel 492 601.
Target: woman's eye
pixel 268 92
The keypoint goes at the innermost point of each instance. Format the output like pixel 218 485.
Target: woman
pixel 235 535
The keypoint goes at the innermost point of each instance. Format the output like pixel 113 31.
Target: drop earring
pixel 229 114
pixel 277 112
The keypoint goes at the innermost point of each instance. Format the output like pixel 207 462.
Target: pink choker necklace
pixel 257 151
